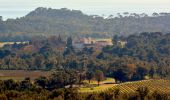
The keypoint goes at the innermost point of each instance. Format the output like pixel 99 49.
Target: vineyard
pixel 20 75
pixel 162 86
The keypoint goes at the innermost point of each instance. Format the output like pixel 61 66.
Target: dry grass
pixel 107 80
pixel 92 87
pixel 21 74
pixel 100 88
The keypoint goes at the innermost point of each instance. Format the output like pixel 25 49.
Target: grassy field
pixel 159 85
pixel 93 87
pixel 107 80
pixel 101 88
pixel 21 74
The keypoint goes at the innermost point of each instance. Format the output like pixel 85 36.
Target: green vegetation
pixel 47 21
pixel 42 88
pixel 144 55
pixel 72 73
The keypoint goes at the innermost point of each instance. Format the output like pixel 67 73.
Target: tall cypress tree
pixel 69 46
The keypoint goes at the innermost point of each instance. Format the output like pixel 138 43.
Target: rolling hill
pixel 72 22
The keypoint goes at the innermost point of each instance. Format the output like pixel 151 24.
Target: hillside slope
pixel 65 21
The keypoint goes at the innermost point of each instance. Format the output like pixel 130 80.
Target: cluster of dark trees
pixel 39 53
pixel 148 50
pixel 73 22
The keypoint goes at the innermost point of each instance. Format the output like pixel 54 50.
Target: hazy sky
pixel 18 8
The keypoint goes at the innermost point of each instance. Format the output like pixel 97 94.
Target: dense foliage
pixel 144 55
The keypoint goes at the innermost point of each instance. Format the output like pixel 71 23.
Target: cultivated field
pixel 159 85
pixel 21 74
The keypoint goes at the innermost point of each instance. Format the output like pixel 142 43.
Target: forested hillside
pixel 66 22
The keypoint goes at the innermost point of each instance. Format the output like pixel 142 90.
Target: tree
pixel 89 76
pixel 99 76
pixel 116 93
pixel 46 50
pixel 120 75
pixel 41 81
pixel 161 71
pixel 143 91
pixel 141 72
pixel 151 72
pixel 26 84
pixel 10 84
pixel 155 14
pixel 62 78
pixel 60 39
pixel 69 43
pixel 58 79
pixel 115 39
pixel 69 46
pixel 84 63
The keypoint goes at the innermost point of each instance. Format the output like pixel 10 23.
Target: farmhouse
pixel 97 43
pixel 104 42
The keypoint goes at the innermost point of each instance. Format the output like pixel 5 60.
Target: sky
pixel 19 8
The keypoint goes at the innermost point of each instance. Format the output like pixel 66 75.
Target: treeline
pixel 46 21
